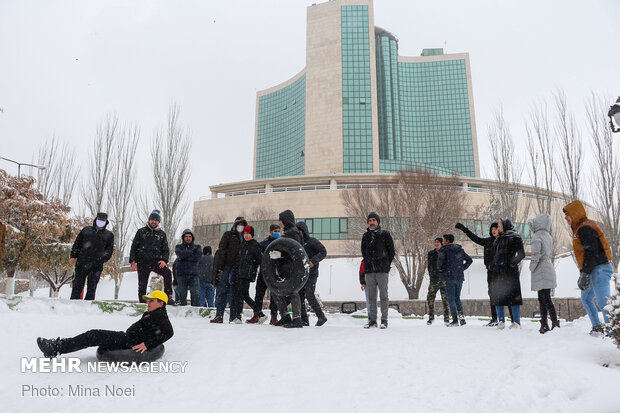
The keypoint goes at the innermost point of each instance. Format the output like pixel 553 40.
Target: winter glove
pixel 459 226
pixel 275 255
pixel 584 281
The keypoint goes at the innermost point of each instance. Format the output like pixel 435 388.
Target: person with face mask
pixel 93 246
pixel 228 250
pixel 150 253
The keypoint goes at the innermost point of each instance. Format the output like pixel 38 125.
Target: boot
pixel 492 323
pixel 284 320
pixel 253 320
pixel 49 347
pixel 305 321
pixel 217 319
pixel 455 321
pixel 461 318
pixel 322 320
pixel 371 324
pixel 384 324
pixel 294 323
pixel 597 332
pixel 544 326
pixel 274 320
pixel 555 323
pixel 430 321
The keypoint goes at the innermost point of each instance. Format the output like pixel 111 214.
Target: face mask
pixel 100 223
pixel 276 235
pixel 240 228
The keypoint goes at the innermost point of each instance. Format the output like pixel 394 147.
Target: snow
pixel 337 367
pixel 339 281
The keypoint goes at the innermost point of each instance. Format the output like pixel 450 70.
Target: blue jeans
pixel 225 294
pixel 599 287
pixel 453 290
pixel 207 292
pixel 193 283
pixel 516 313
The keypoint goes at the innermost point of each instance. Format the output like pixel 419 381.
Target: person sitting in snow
pixel 150 331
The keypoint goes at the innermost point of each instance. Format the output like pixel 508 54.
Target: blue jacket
pixel 314 249
pixel 188 257
pixel 452 261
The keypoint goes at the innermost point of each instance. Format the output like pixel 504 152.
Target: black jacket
pixel 205 269
pixel 152 329
pixel 505 287
pixel 431 265
pixel 149 246
pixel 229 246
pixel 188 257
pixel 314 249
pixel 377 251
pixel 452 261
pixel 93 247
pixel 594 253
pixel 290 230
pixel 248 260
pixel 486 243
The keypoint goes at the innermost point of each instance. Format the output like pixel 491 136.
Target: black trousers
pixel 144 271
pixel 308 293
pixel 493 310
pixel 109 340
pixel 261 288
pixel 81 275
pixel 544 298
pixel 243 294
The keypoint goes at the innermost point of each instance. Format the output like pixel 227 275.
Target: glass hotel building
pixel 355 115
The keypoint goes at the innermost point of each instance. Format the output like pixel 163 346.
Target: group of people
pixel 225 277
pixel 503 253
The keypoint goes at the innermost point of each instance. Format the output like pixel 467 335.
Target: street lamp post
pixel 10 286
pixel 614 116
pixel 19 165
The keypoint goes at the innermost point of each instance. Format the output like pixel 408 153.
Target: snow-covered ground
pixel 339 367
pixel 339 281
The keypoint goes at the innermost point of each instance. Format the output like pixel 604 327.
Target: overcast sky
pixel 64 65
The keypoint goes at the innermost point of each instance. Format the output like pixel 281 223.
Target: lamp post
pixel 10 286
pixel 19 165
pixel 614 116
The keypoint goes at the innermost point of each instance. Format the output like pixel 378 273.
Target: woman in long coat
pixel 542 269
pixel 505 286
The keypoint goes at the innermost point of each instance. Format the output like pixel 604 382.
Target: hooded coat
pixel 188 256
pixel 452 261
pixel 541 267
pixel 505 287
pixel 290 230
pixel 314 248
pixel 205 269
pixel 229 246
pixel 589 243
pixel 93 247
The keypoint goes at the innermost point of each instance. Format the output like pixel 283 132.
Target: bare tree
pixel 606 173
pixel 541 159
pixel 59 178
pixel 507 170
pixel 119 196
pixel 415 210
pixel 171 170
pixel 100 165
pixel 568 137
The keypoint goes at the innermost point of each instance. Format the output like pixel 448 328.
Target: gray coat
pixel 541 267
